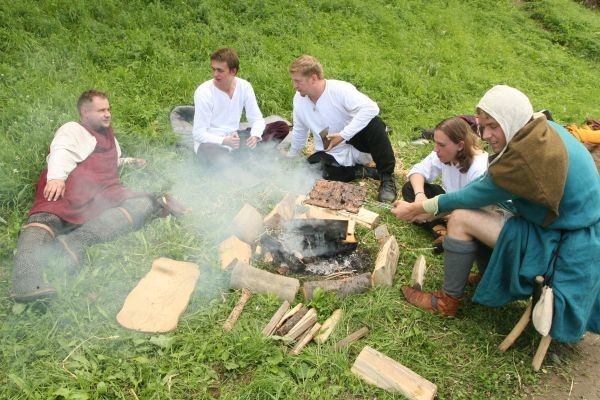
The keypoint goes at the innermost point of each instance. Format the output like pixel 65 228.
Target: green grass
pixel 420 60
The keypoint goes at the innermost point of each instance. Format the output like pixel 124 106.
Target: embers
pixel 306 241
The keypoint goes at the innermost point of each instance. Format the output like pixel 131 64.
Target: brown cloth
pixel 92 187
pixel 534 166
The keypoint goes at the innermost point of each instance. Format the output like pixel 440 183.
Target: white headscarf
pixel 509 107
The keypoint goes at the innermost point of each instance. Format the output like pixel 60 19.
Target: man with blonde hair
pixel 348 133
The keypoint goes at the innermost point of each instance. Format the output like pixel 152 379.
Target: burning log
pixel 418 273
pixel 261 281
pixel 378 369
pixel 328 326
pixel 304 340
pixel 351 338
pixel 303 325
pixel 292 321
pixel 233 248
pixel 341 287
pixel 248 224
pixel 283 211
pixel 386 263
pixel 160 297
pixel 237 310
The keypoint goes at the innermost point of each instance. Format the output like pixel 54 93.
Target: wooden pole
pixel 237 310
pixel 540 353
pixel 517 330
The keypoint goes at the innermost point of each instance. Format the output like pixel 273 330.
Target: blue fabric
pixel 524 249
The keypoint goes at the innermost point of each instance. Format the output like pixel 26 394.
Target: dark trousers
pixel 431 190
pixel 372 139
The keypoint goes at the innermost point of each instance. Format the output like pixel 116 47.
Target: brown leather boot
pixel 474 278
pixel 434 302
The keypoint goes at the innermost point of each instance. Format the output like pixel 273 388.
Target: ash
pixel 352 262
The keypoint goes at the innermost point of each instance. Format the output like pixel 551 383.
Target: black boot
pixel 361 172
pixel 387 189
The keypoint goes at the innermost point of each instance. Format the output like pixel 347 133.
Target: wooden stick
pixel 237 310
pixel 328 326
pixel 270 327
pixel 302 326
pixel 306 339
pixel 289 314
pixel 517 330
pixel 418 273
pixel 382 371
pixel 351 338
pixel 290 323
pixel 540 353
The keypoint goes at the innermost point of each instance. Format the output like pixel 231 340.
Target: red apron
pixel 92 187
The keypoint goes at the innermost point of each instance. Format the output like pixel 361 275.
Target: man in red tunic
pixel 79 199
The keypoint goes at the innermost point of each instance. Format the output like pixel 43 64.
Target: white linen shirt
pixel 341 109
pixel 71 145
pixel 216 115
pixel 452 179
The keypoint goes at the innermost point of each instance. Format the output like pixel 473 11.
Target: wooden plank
pixel 417 277
pixel 328 326
pixel 308 336
pixel 351 338
pixel 270 327
pixel 233 248
pixel 380 370
pixel 364 217
pixel 385 264
pixel 261 281
pixel 306 322
pixel 237 310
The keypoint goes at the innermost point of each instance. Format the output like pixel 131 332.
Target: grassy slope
pixel 421 61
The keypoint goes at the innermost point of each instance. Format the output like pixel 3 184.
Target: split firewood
pixel 261 281
pixel 385 264
pixel 248 224
pixel 328 326
pixel 292 321
pixel 233 248
pixel 381 234
pixel 305 339
pixel 351 338
pixel 382 371
pixel 270 327
pixel 341 287
pixel 418 273
pixel 283 211
pixel 303 325
pixel 289 314
pixel 364 217
pixel 237 310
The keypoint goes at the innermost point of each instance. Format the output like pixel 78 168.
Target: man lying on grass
pixel 79 199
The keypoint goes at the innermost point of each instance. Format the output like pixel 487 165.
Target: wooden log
pixel 303 325
pixel 380 370
pixel 261 281
pixel 417 277
pixel 351 338
pixel 341 287
pixel 304 340
pixel 517 330
pixel 283 211
pixel 292 321
pixel 248 224
pixel 540 353
pixel 237 310
pixel 381 234
pixel 270 327
pixel 289 314
pixel 233 248
pixel 385 264
pixel 328 326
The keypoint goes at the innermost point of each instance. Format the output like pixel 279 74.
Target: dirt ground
pixel 580 380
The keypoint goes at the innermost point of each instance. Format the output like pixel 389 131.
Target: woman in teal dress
pixel 550 183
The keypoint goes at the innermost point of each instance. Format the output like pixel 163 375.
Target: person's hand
pixel 420 196
pixel 334 140
pixel 54 189
pixel 410 212
pixel 252 141
pixel 232 140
